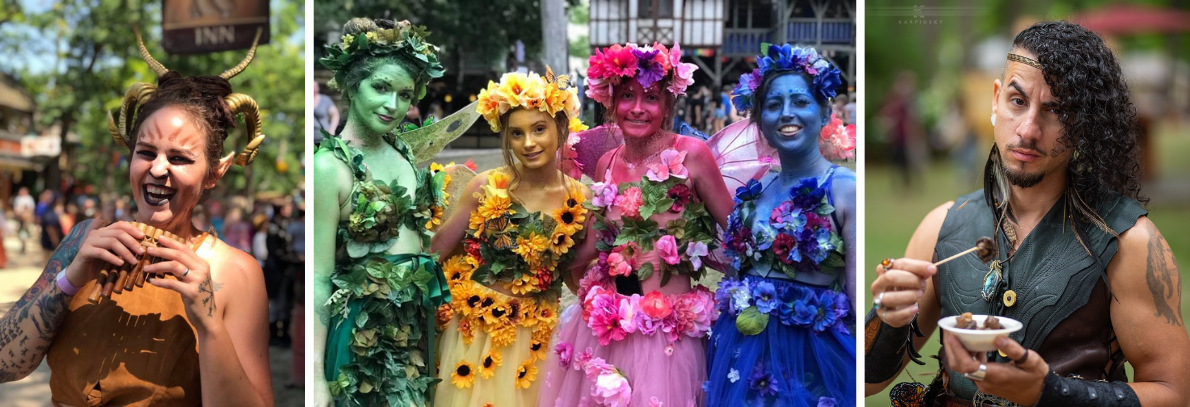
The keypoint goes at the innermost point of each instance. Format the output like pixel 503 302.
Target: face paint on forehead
pixel 776 92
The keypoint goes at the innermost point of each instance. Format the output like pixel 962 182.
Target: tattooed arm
pixel 27 330
pixel 1147 319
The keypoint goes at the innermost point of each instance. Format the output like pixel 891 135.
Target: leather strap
pixel 885 352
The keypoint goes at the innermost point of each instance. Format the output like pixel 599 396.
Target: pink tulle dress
pixel 631 340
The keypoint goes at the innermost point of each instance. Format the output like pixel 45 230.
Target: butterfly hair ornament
pixel 548 94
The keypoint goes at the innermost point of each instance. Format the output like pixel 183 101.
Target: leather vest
pixel 1061 297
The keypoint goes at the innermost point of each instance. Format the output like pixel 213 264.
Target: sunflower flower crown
pixel 405 40
pixel 548 94
pixel 648 65
pixel 778 58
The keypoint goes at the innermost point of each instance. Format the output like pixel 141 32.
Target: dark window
pixel 655 8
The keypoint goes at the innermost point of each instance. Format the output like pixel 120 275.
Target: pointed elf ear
pixel 220 170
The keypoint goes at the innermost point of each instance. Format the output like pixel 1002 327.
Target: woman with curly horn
pixel 194 335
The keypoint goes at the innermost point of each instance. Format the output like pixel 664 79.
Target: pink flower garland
pixel 609 66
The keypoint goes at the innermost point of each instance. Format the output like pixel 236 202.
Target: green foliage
pixel 486 29
pixel 100 61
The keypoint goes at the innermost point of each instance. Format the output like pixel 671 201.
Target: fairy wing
pixel 742 154
pixel 589 146
pixel 460 176
pixel 428 141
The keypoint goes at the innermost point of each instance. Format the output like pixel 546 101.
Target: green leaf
pixel 751 321
pixel 645 271
pixel 824 208
pixel 361 320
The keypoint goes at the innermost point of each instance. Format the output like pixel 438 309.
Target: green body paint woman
pixel 377 291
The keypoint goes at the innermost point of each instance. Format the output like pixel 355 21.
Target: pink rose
pixel 612 390
pixel 629 308
pixel 683 75
pixel 580 360
pixel 597 366
pixel 667 248
pixel 656 305
pixel 604 194
pixel 605 318
pixel 630 202
pixel 565 352
pixel 617 266
pixel 672 164
pixel 599 90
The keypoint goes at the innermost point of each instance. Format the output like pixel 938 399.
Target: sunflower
pixel 457 269
pixel 530 248
pixel 514 312
pixel 497 314
pixel 503 335
pixel 543 333
pixel 490 362
pixel 494 206
pixel 547 315
pixel 570 219
pixel 560 242
pixel 464 375
pixel 443 316
pixel 529 314
pixel 526 373
pixel 466 330
pixel 537 348
pixel 525 285
pixel 435 218
pixel 469 300
pixel 475 222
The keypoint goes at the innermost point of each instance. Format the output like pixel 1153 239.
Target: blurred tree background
pixel 76 58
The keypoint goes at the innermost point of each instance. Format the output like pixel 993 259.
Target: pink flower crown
pixel 648 65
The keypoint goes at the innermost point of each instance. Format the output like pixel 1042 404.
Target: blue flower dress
pixel 780 342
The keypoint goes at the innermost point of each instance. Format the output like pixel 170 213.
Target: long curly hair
pixel 1098 121
pixel 1095 108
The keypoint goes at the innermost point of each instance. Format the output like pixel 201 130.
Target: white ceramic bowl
pixel 980 340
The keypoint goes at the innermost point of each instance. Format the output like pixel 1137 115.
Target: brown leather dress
pixel 135 349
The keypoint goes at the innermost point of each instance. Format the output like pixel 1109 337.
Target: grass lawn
pixel 892 214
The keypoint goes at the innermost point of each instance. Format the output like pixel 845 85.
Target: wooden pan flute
pixel 116 280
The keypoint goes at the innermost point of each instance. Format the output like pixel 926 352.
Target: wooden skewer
pixel 983 246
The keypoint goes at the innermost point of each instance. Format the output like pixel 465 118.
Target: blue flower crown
pixel 777 58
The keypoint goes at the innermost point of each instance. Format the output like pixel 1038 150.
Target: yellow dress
pixel 492 344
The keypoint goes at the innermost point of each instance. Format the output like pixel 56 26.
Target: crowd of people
pixel 461 305
pixel 709 111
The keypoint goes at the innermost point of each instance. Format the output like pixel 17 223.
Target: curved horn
pixel 235 70
pixel 144 53
pixel 136 95
pixel 241 103
pixel 111 126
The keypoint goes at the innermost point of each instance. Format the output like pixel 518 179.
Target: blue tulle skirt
pixel 803 356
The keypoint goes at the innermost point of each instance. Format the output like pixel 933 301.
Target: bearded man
pixel 1075 259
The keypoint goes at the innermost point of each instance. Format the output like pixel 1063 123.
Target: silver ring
pixel 878 301
pixel 884 316
pixel 978 374
pixel 185 273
